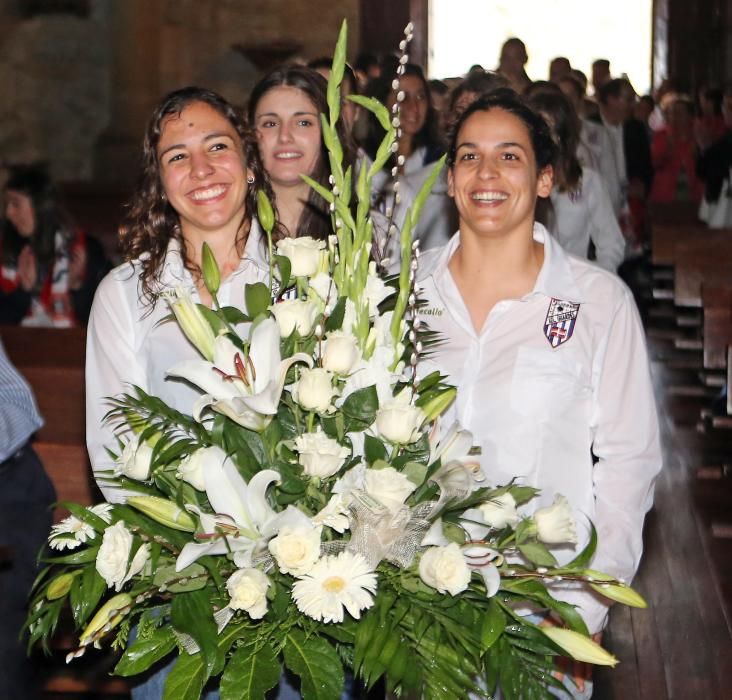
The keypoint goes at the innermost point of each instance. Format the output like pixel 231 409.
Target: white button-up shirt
pixel 128 342
pixel 585 215
pixel 540 410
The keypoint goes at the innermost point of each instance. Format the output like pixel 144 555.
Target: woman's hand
pixel 77 267
pixel 27 269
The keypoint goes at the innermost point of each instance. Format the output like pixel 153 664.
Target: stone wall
pixel 76 92
pixel 54 82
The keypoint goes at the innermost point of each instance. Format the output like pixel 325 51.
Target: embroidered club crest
pixel 560 320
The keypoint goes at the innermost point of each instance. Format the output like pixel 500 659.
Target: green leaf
pixel 186 679
pixel 415 472
pixel 335 320
pixel 537 553
pixel 374 448
pixel 86 592
pixel 494 622
pixel 191 614
pixel 250 673
pixel 317 664
pixel 256 299
pixel 165 574
pixel 362 406
pixel 585 556
pixel 143 653
pixel 233 315
pixel 371 104
pixel 284 267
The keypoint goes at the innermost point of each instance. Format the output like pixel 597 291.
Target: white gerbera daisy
pixel 72 532
pixel 335 582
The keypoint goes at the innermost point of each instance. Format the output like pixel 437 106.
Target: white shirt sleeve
pixel 626 442
pixel 113 365
pixel 605 232
pixel 608 168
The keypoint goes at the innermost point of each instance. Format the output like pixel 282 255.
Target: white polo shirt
pixel 542 391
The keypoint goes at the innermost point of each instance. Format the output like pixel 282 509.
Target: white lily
pixel 243 521
pixel 246 388
pixel 454 444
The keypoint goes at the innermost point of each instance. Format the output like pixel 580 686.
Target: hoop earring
pixel 250 180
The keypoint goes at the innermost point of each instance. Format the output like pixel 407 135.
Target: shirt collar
pixel 175 273
pixel 555 278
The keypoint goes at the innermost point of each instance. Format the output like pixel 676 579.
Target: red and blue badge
pixel 560 320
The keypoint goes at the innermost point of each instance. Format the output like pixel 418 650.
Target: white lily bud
pixel 192 322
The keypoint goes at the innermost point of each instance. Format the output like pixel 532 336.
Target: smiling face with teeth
pixel 494 179
pixel 288 133
pixel 203 172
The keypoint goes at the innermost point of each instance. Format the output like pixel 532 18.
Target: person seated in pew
pixel 25 521
pixel 714 167
pixel 49 269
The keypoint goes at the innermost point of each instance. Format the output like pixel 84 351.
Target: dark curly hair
pixel 151 222
pixel 545 150
pixel 315 219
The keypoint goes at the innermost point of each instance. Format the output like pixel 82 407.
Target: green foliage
pixel 316 662
pixel 252 671
pixel 143 653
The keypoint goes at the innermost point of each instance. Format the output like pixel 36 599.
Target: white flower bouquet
pixel 307 515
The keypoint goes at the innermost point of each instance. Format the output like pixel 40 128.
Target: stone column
pixel 136 27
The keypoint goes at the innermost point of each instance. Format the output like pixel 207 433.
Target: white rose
pixel 248 591
pixel 500 511
pixel 314 390
pixel 320 455
pixel 388 486
pixel 555 523
pixel 341 352
pixel 398 421
pixel 303 253
pixel 376 291
pixel 134 462
pixel 192 468
pixel 114 554
pixel 294 314
pixel 444 568
pixel 296 549
pixel 322 284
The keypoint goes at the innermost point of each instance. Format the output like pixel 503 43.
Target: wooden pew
pixel 52 361
pixel 717 304
pixel 707 259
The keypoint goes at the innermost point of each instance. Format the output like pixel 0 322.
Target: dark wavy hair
pixel 545 151
pixel 315 219
pixel 151 222
pixel 428 136
pixel 50 215
pixel 566 131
